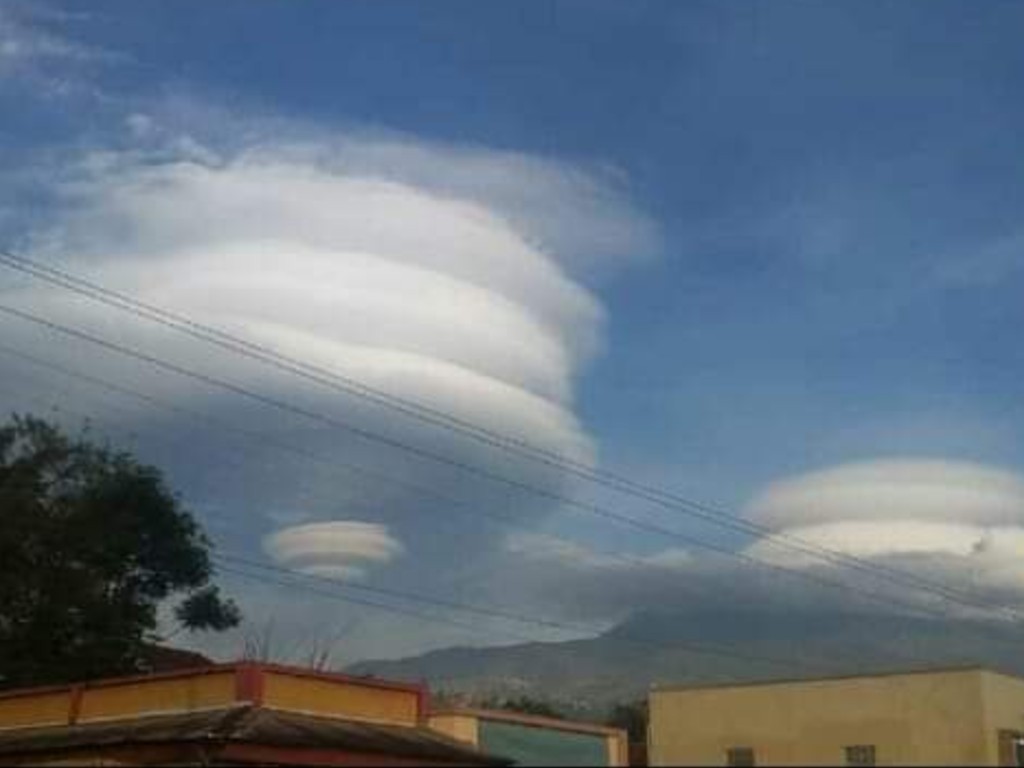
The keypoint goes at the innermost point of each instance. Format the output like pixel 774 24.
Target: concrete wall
pixel 1003 711
pixel 935 718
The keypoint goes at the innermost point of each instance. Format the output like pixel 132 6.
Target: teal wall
pixel 541 746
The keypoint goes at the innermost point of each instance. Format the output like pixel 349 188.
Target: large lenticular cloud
pixel 952 527
pixel 959 524
pixel 393 264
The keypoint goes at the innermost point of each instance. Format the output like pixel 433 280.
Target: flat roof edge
pixel 672 687
pixel 533 721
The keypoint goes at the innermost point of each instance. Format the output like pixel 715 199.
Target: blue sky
pixel 833 192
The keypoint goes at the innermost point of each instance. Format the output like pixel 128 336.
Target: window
pixel 739 756
pixel 860 754
pixel 1011 748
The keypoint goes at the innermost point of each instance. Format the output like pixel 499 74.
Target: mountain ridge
pixel 710 646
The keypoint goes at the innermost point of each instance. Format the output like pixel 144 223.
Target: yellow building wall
pixel 461 727
pixel 1003 698
pixel 915 719
pixel 35 709
pixel 331 697
pixel 149 696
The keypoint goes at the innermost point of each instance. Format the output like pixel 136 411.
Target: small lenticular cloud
pixel 340 549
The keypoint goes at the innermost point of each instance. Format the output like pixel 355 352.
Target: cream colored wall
pixel 618 749
pixel 461 727
pixel 1003 709
pixel 933 719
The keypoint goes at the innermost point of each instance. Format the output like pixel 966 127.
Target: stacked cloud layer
pixel 959 521
pixel 424 272
pixel 341 549
pixel 917 528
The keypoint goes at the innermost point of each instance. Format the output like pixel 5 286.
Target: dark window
pixel 860 754
pixel 739 756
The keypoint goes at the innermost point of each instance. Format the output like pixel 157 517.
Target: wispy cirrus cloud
pixel 37 52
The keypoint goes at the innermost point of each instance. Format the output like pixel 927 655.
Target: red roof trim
pixel 249 683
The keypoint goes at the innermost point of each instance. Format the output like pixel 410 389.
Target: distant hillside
pixel 589 675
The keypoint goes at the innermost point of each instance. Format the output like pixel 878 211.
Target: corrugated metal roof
pixel 250 725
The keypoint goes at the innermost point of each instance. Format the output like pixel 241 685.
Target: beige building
pixel 965 716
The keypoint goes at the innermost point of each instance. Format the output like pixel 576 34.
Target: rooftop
pixel 219 729
pixel 534 721
pixel 926 670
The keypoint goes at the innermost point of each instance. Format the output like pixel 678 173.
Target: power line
pixel 697 648
pixel 458 505
pixel 365 603
pixel 448 604
pixel 490 613
pixel 568 502
pixel 718 590
pixel 470 608
pixel 449 421
pixel 235 561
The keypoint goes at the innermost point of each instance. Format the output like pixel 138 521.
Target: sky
pixel 765 256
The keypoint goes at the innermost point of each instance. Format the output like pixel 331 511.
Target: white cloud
pixel 433 273
pixel 873 538
pixel 957 524
pixel 436 299
pixel 901 489
pixel 35 50
pixel 339 549
pixel 555 550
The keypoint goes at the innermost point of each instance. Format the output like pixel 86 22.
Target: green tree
pixel 91 544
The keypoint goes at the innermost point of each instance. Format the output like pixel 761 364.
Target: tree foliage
pixel 91 544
